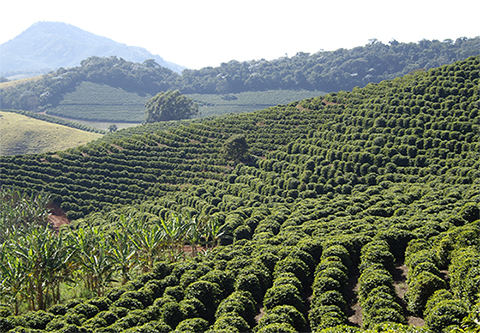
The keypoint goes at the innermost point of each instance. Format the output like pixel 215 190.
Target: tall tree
pixel 169 105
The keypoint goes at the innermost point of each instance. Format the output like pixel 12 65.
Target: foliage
pixel 169 105
pixel 344 188
pixel 235 148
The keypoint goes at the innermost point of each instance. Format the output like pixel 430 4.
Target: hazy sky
pixel 200 33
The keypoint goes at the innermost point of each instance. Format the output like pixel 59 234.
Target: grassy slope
pixel 12 83
pixel 24 135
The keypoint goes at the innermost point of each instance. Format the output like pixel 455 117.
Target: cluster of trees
pixel 169 105
pixel 147 77
pixel 351 182
pixel 324 71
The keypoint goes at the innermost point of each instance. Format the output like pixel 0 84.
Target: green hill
pixel 25 135
pixel 338 196
pixel 87 91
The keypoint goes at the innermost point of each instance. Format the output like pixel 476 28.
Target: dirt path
pixel 354 312
pixel 400 284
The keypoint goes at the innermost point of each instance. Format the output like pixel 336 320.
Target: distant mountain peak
pixel 47 45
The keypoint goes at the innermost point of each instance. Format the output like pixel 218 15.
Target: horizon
pixel 209 35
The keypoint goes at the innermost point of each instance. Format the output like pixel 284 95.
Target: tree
pixel 112 128
pixel 169 105
pixel 235 148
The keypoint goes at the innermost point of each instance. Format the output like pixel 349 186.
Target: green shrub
pixel 340 328
pixel 38 319
pixel 241 303
pixel 130 320
pixel 423 267
pixel 269 260
pixel 326 316
pixel 420 288
pixel 192 325
pixel 296 318
pixel 334 273
pixel 157 287
pixel 277 328
pixel 416 245
pixel 464 274
pixel 176 292
pixel 283 295
pixel 119 311
pixel 155 326
pixel 94 323
pixel 171 313
pixel 206 292
pixel 437 297
pixel 288 278
pixel 7 324
pixel 128 303
pixel 225 280
pixel 330 262
pixel 373 277
pixel 88 310
pixel 331 297
pixel 324 284
pixel 192 308
pixel 249 283
pixel 338 251
pixel 295 266
pixel 58 309
pixel 109 316
pixel 382 315
pixel 378 254
pixel 102 303
pixel 231 322
pixel 444 314
pixel 73 303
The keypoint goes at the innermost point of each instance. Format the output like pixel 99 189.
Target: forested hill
pixel 336 198
pixel 330 71
pixel 324 71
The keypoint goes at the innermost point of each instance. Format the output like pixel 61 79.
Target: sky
pixel 201 33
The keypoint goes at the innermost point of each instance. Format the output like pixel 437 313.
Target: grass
pixel 24 135
pixel 12 83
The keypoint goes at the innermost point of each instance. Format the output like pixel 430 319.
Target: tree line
pixel 329 71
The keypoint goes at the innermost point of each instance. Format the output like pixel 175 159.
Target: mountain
pixel 50 45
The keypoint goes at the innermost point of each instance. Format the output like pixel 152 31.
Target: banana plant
pixel 122 253
pixel 45 258
pixel 148 241
pixel 212 232
pixel 175 227
pixel 12 284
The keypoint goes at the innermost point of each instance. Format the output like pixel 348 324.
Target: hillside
pixel 63 91
pixel 351 212
pixel 24 135
pixel 47 46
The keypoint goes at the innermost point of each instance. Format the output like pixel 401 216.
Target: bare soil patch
pixel 57 217
pixel 401 287
pixel 354 311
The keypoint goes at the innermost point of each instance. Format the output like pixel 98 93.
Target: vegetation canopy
pixel 169 105
pixel 357 211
